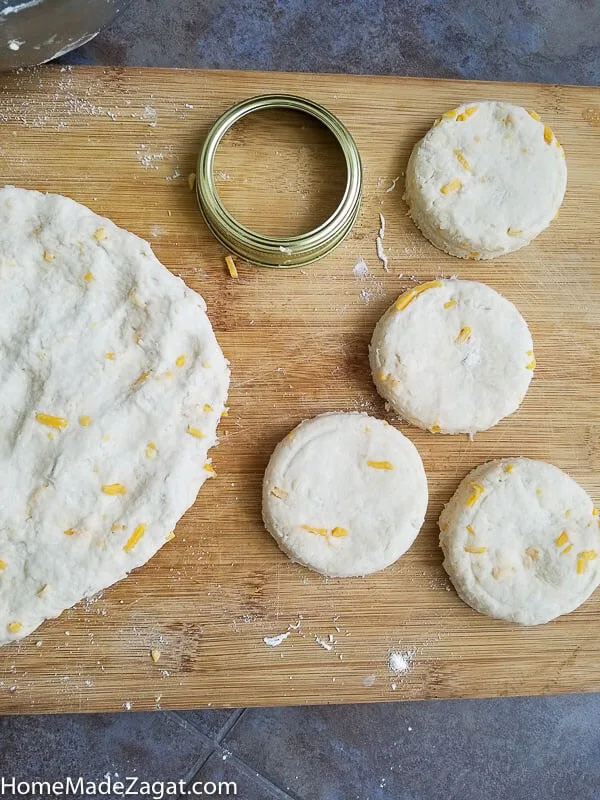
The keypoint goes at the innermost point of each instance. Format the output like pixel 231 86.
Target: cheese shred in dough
pixel 485 180
pixel 96 402
pixel 521 541
pixel 344 494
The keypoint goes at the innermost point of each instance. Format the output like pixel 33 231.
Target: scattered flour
pixel 368 681
pixel 360 269
pixel 393 186
pixel 274 641
pixel 400 663
pixel 326 644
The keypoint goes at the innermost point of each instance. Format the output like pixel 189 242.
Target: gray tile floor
pixel 523 749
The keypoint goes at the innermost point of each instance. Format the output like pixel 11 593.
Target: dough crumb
pixel 400 663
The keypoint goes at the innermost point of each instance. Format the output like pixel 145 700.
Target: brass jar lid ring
pixel 278 251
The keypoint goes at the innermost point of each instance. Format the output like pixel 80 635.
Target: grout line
pixel 230 724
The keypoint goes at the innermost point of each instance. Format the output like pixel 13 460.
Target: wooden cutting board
pixel 123 141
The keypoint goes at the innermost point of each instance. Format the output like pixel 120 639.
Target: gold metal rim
pixel 278 251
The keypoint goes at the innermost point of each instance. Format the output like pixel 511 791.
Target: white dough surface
pixel 452 356
pixel 107 361
pixel 521 541
pixel 485 180
pixel 344 494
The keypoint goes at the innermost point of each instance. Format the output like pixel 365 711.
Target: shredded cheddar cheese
pixel 180 360
pixel 195 432
pixel 451 114
pixel 170 535
pixel 143 377
pixel 280 493
pixel 562 539
pixel 533 114
pixel 231 266
pixel 114 488
pixel 207 407
pixel 135 537
pixel 70 532
pixel 478 490
pixel 51 421
pixel 435 428
pixel 531 364
pixel 14 627
pixel 337 532
pixel 150 450
pixel 514 232
pixel 209 468
pixel 462 160
pixel 509 468
pixel 475 550
pixel 468 112
pixel 315 531
pixel 84 420
pixel 567 549
pixel 100 235
pixel 407 298
pixel 548 135
pixel 109 356
pixel 3 564
pixel 449 303
pixel 89 276
pixel 155 654
pixel 532 553
pixel 470 530
pixel 453 186
pixel 48 256
pixel 464 335
pixel 380 464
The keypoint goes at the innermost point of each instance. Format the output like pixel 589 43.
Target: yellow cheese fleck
pixel 206 364
pixel 100 235
pixel 280 493
pixel 89 276
pixel 168 374
pixel 509 468
pixel 150 450
pixel 225 413
pixel 562 539
pixel 496 573
pixel 141 378
pixel 337 532
pixel 453 186
pixel 538 492
pixel 209 468
pixel 135 537
pixel 450 114
pixel 531 364
pixel 70 532
pixel 435 428
pixel 84 420
pixel 514 232
pixel 594 511
pixel 478 490
pixel 464 334
pixel 473 255
pixel 449 303
pixel 117 527
pixel 476 550
pixel 155 654
pixel 568 512
pixel 548 135
pixel 383 376
pixel 195 432
pixel 533 553
pixel 567 549
pixel 207 407
pixel 462 160
pixel 52 421
pixel 48 256
pixel 315 531
pixel 113 488
pixel 170 535
pixel 180 360
pixel 14 627
pixel 470 530
pixel 466 113
pixel 3 564
pixel 581 565
pixel 533 114
pixel 50 435
pixel 231 266
pixel 109 356
pixel 588 555
pixel 380 464
pixel 407 298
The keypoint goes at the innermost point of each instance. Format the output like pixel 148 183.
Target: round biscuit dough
pixel 344 494
pixel 485 180
pixel 452 356
pixel 112 385
pixel 521 541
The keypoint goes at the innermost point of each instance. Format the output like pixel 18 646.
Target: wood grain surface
pixel 123 141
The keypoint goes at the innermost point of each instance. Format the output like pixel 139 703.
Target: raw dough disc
pixel 344 494
pixel 452 356
pixel 485 180
pixel 521 541
pixel 106 362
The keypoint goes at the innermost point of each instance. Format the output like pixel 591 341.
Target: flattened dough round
pixel 452 356
pixel 107 360
pixel 521 541
pixel 344 494
pixel 485 180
